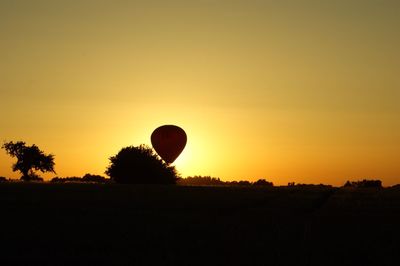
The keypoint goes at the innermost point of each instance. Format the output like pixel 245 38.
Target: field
pixel 92 224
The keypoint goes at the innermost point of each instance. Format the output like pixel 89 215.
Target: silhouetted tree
pixel 3 179
pixel 140 165
pixel 347 184
pixel 263 182
pixel 94 178
pixel 29 158
pixel 364 184
pixel 66 179
pixel 244 183
pixel 198 180
pixel 87 178
pixel 201 181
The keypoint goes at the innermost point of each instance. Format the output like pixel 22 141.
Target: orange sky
pixel 303 91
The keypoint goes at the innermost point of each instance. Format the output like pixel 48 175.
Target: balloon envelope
pixel 168 141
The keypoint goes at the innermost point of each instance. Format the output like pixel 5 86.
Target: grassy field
pixel 92 224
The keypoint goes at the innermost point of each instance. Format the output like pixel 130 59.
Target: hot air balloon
pixel 168 141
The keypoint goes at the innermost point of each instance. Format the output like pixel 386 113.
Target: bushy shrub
pixel 140 165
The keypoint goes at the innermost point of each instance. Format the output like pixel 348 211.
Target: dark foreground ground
pixel 90 224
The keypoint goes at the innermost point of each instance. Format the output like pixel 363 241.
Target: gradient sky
pixel 303 91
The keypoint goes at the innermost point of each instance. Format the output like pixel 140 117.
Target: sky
pixel 301 91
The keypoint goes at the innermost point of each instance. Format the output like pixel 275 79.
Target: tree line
pixel 215 181
pixel 131 165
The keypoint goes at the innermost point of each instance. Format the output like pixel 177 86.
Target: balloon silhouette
pixel 168 141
